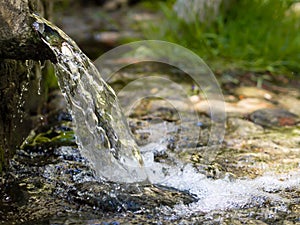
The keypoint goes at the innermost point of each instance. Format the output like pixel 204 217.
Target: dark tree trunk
pixel 17 38
pixel 20 72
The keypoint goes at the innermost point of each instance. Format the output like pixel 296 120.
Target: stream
pixel 92 171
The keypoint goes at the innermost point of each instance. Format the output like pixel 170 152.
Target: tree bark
pixel 17 38
pixel 21 53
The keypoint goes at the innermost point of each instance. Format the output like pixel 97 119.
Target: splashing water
pixel 101 130
pixel 105 140
pixel 224 194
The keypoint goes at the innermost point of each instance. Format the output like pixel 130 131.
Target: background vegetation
pixel 256 35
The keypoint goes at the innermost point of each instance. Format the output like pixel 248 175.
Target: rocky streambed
pixel 253 178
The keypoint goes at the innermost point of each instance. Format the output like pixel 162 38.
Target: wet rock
pixel 240 127
pixel 291 103
pixel 128 197
pixel 253 92
pixel 113 38
pixel 48 137
pixel 230 98
pixel 274 117
pixel 233 108
pixel 51 180
pixel 160 110
pixel 247 105
pixel 204 106
pixel 251 104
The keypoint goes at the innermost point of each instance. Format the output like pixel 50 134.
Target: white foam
pixel 222 194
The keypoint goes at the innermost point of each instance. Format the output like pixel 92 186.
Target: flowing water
pixel 101 130
pixel 105 140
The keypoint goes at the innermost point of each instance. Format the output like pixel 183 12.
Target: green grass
pixel 256 35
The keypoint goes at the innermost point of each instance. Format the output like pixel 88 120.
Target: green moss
pixel 51 138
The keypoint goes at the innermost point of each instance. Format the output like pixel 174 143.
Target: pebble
pixel 246 106
pixel 291 103
pixel 274 117
pixel 240 127
pixel 253 92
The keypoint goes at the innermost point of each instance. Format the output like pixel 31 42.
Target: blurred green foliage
pixel 257 35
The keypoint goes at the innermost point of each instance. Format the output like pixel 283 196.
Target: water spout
pixel 101 130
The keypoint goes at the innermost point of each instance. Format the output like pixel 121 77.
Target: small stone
pixel 290 103
pixel 253 92
pixel 206 106
pixel 111 38
pixel 230 98
pixel 251 104
pixel 247 105
pixel 274 117
pixel 240 127
pixel 195 98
